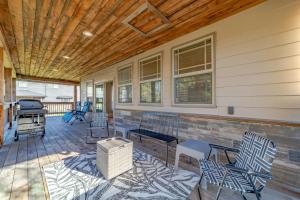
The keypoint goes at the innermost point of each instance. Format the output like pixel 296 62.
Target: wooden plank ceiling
pixel 39 34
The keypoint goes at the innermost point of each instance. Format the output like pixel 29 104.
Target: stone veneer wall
pixel 228 132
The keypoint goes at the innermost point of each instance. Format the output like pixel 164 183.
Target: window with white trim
pixel 150 79
pixel 193 72
pixel 125 85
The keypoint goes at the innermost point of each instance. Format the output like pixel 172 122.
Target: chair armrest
pixel 264 175
pixel 249 172
pixel 215 146
pixel 225 149
pixel 236 169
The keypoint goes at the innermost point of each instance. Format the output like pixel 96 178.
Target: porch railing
pixel 58 108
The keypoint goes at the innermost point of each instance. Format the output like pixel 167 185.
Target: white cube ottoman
pixel 114 156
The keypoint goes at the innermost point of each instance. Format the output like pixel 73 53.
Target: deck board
pixel 21 162
pixel 20 184
pixel 43 159
pixel 35 179
pixel 8 171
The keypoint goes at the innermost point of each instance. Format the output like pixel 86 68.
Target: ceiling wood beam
pixel 46 80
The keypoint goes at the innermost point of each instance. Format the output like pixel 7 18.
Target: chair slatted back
pixel 78 106
pixel 257 154
pixel 164 123
pixel 86 107
pixel 99 119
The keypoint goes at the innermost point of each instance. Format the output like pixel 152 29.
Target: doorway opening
pixel 104 98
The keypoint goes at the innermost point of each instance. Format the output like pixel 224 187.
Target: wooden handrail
pixel 58 108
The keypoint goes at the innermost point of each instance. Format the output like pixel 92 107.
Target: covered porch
pixel 223 68
pixel 21 162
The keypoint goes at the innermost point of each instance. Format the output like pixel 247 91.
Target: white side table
pixel 124 128
pixel 196 149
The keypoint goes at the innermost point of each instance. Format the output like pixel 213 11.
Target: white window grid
pixel 158 68
pixel 120 84
pixel 158 74
pixel 125 82
pixel 178 75
pixel 205 71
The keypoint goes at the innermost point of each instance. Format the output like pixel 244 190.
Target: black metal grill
pixel 30 117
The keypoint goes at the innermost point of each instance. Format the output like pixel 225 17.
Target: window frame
pixel 212 36
pixel 130 65
pixel 95 85
pixel 150 80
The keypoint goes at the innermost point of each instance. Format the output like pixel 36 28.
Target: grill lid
pixel 29 104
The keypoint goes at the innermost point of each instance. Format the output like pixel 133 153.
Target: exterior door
pixel 99 95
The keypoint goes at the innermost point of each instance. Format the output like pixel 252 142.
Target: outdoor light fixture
pixel 87 33
pixel 66 57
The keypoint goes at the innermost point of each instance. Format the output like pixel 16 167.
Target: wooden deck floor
pixel 21 162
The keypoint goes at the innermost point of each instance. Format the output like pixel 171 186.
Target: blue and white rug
pixel 78 178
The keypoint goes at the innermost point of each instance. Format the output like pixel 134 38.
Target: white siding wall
pixel 257 65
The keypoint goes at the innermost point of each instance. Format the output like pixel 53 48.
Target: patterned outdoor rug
pixel 78 178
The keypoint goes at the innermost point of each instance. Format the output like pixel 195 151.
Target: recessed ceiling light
pixel 66 57
pixel 87 33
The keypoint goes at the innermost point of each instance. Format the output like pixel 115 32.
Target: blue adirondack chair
pixel 69 115
pixel 80 114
